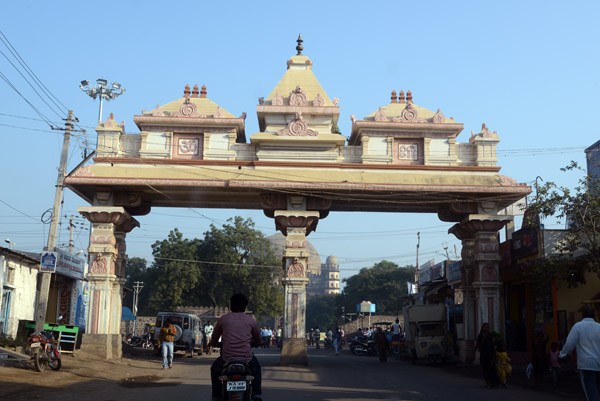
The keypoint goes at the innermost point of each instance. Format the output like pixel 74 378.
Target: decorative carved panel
pixel 380 115
pixel 297 127
pixel 188 109
pixel 277 100
pixel 298 97
pixel 319 101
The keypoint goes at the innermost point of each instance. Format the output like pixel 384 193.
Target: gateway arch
pixel 193 153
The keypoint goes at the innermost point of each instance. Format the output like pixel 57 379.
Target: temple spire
pixel 299 47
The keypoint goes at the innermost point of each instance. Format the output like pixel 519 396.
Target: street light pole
pixel 103 91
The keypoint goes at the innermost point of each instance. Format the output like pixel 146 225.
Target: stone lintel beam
pixel 289 219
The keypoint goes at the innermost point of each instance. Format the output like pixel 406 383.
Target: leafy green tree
pixel 207 271
pixel 384 284
pixel 323 312
pixel 580 208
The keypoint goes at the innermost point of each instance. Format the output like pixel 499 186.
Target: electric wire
pixel 30 72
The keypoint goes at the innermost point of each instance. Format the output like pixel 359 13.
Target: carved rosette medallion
pixel 295 269
pixel 298 97
pixel 297 127
pixel 410 115
pixel 277 100
pixel 380 115
pixel 319 101
pixel 188 109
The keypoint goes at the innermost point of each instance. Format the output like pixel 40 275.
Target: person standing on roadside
pixel 278 337
pixel 337 340
pixel 585 337
pixel 208 331
pixel 165 338
pixel 382 344
pixel 487 356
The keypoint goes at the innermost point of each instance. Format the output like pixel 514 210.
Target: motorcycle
pixel 236 379
pixel 362 345
pixel 147 341
pixel 44 350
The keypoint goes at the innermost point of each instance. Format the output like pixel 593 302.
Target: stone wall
pixel 351 327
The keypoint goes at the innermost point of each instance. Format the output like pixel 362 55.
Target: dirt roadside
pixel 19 380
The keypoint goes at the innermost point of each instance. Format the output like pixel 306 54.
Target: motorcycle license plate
pixel 35 345
pixel 236 386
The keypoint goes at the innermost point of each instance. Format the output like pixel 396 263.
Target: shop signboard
pixel 70 265
pixel 431 273
pixel 365 307
pixel 48 262
pixel 524 243
pixel 454 274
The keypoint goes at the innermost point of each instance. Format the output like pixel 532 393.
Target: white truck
pixel 426 328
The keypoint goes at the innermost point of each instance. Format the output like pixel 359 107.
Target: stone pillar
pixel 106 277
pixel 481 279
pixel 295 225
pixel 295 217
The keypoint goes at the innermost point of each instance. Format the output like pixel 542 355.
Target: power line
pixel 29 71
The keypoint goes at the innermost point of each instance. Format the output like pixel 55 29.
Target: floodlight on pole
pixel 103 90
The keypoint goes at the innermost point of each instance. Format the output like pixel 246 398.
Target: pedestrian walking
pixel 487 356
pixel 504 368
pixel 317 337
pixel 585 337
pixel 208 331
pixel 165 339
pixel 278 337
pixel 538 358
pixel 382 344
pixel 337 340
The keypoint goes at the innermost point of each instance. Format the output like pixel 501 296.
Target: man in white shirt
pixel 208 330
pixel 396 331
pixel 585 336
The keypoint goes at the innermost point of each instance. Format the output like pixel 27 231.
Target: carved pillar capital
pixel 273 202
pixel 109 215
pixel 287 219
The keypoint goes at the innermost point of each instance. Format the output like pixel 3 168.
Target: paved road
pixel 345 377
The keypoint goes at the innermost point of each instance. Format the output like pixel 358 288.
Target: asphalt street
pixel 328 377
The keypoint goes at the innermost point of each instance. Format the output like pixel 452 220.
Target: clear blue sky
pixel 529 70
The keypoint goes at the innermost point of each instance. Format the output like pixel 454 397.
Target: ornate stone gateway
pixel 193 153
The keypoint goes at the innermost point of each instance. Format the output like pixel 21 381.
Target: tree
pixel 323 312
pixel 384 284
pixel 580 208
pixel 206 272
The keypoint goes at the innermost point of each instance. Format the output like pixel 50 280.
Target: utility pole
pixel 71 226
pixel 417 267
pixel 137 288
pixel 42 305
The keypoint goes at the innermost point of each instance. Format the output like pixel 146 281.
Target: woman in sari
pixel 487 356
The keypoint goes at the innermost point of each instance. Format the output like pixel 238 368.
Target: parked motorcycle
pixel 44 350
pixel 363 345
pixel 236 379
pixel 146 341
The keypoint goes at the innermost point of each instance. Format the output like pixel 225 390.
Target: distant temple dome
pixel 331 261
pixel 277 241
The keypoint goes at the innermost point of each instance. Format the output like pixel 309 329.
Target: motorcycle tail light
pixel 223 378
pixel 35 340
pixel 236 377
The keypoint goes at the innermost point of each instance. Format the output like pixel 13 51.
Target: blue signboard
pixel 48 262
pixel 454 273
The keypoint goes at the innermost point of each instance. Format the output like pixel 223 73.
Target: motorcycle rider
pixel 237 330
